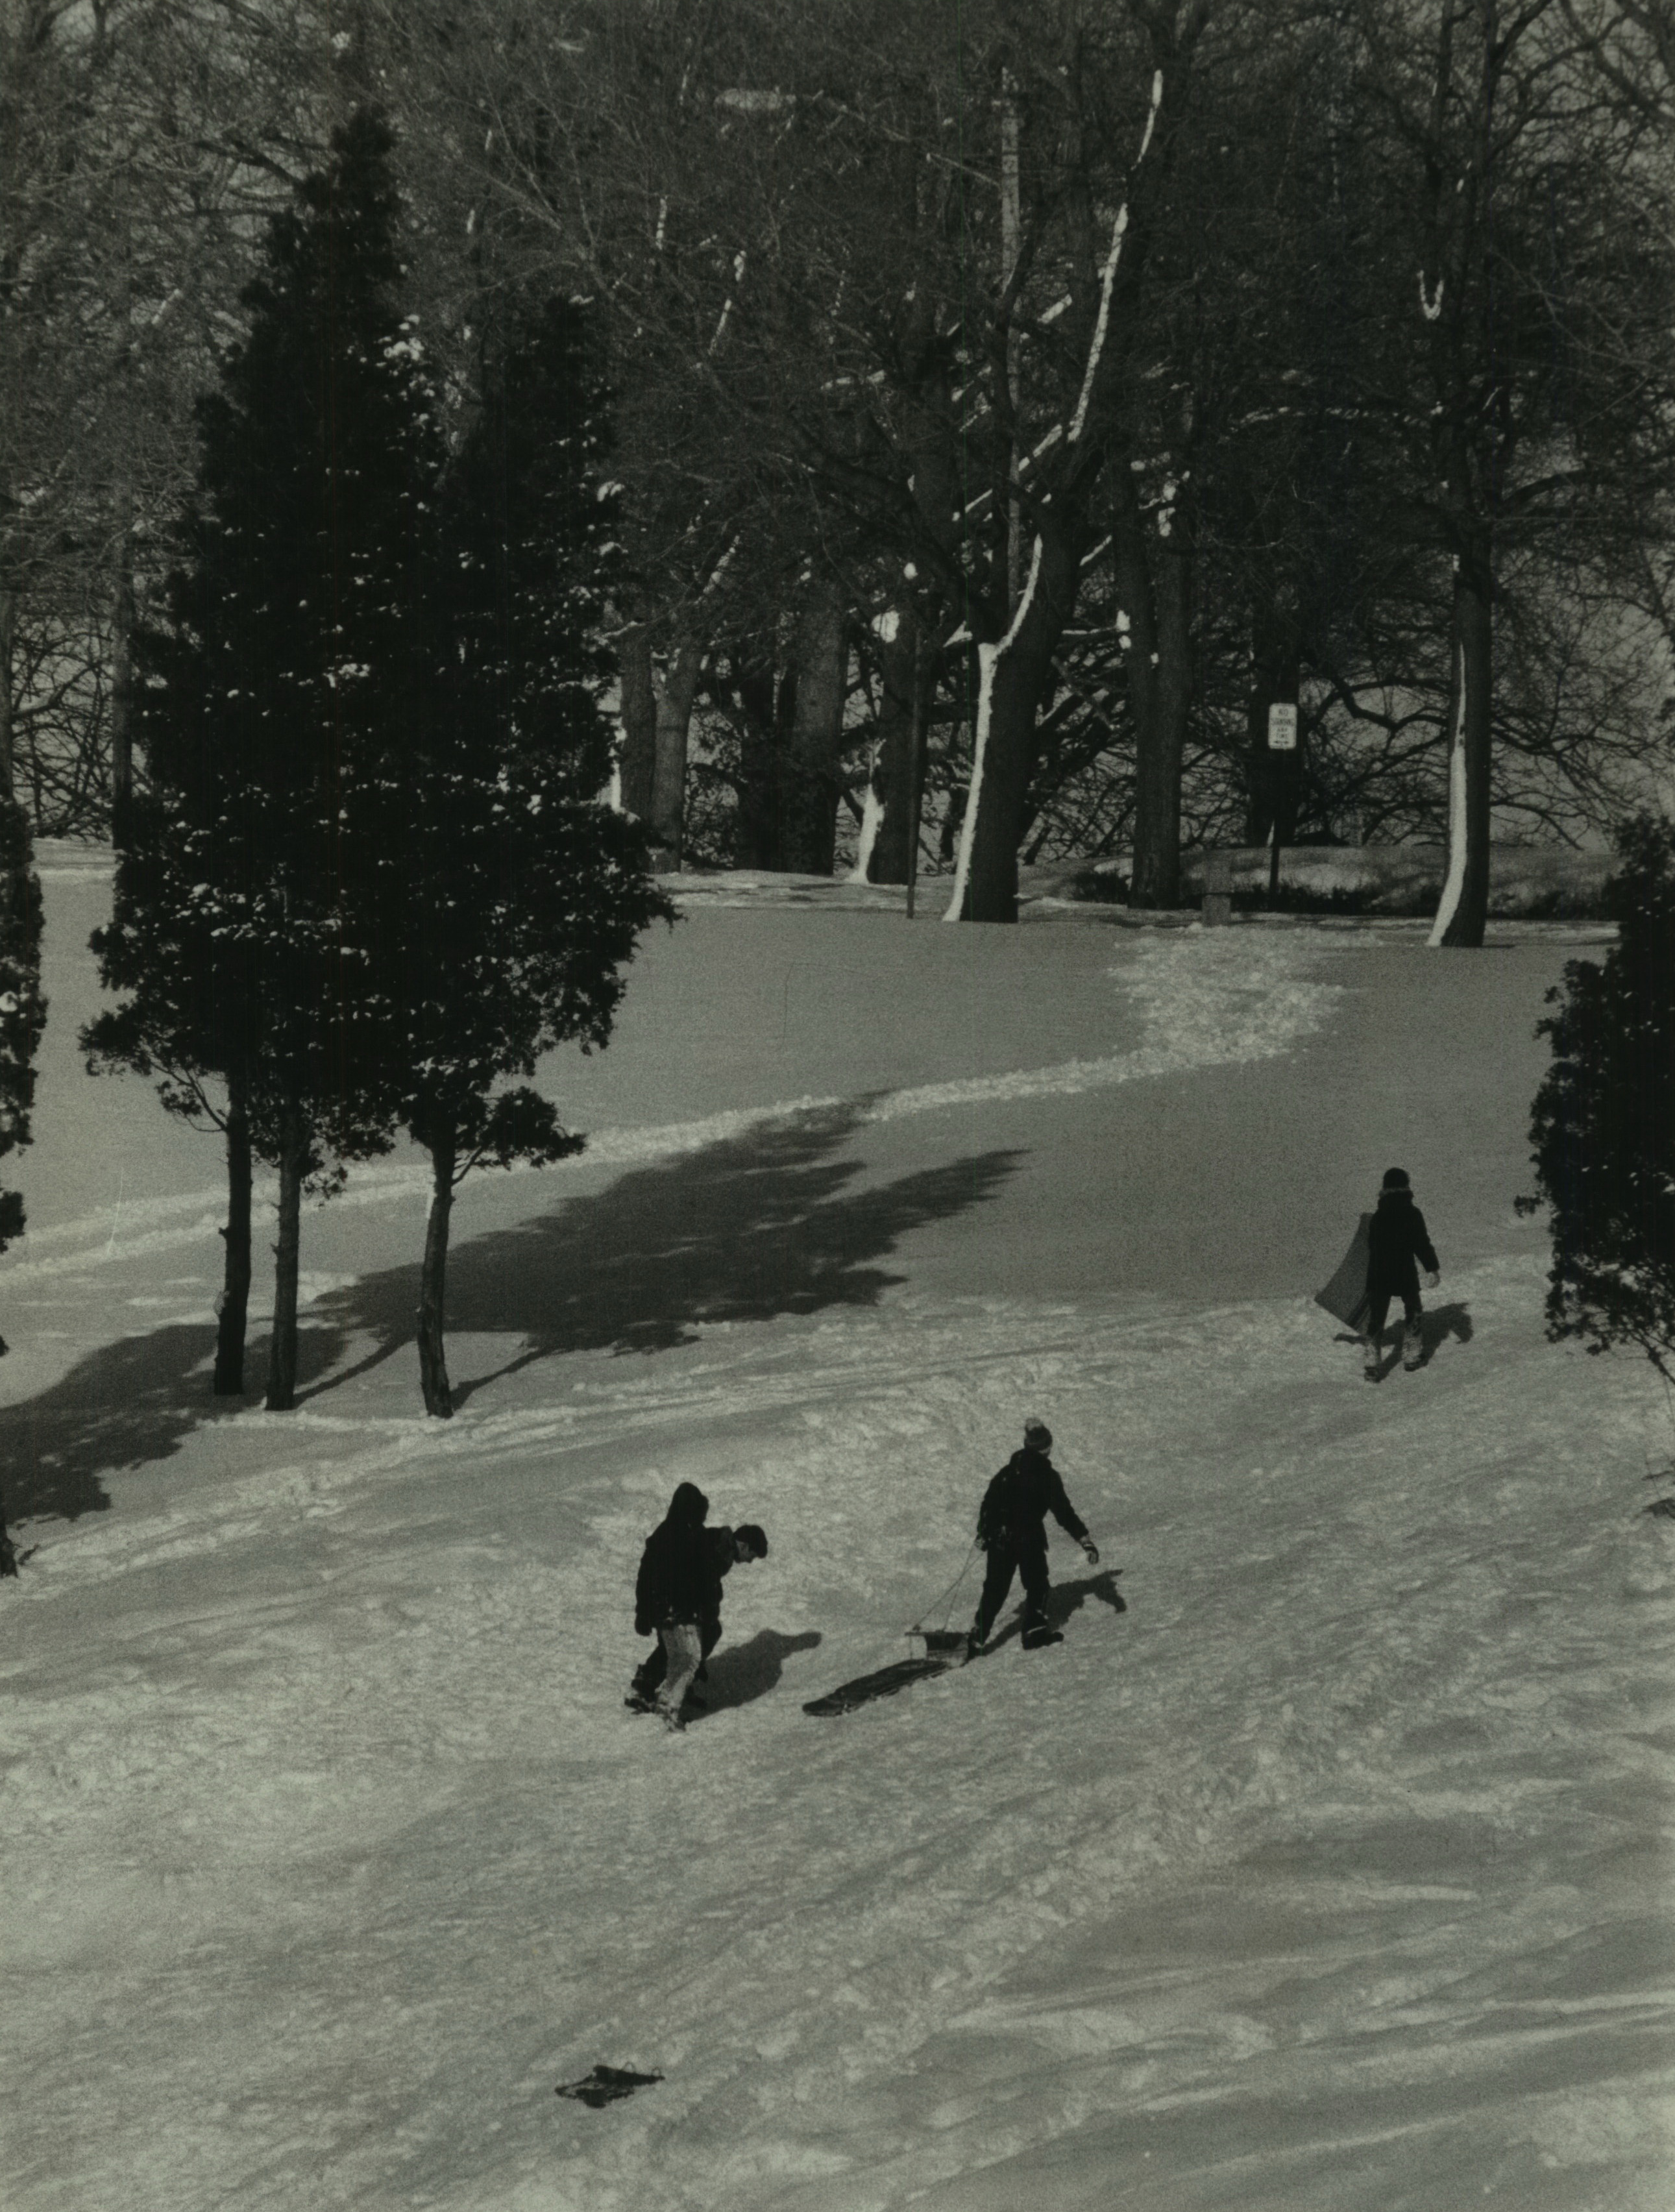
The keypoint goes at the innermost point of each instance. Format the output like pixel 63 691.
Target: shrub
pixel 1603 1122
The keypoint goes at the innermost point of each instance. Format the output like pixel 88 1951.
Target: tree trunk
pixel 898 771
pixel 8 627
pixel 767 698
pixel 235 1266
pixel 1154 586
pixel 809 832
pixel 1015 676
pixel 282 1349
pixel 637 708
pixel 1275 779
pixel 432 1359
pixel 675 695
pixel 122 666
pixel 1463 912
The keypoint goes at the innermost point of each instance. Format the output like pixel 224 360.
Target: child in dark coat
pixel 677 1593
pixel 1398 1246
pixel 1011 1527
pixel 669 1594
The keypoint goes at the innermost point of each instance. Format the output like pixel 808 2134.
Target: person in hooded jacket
pixel 671 1592
pixel 1398 1246
pixel 1011 1527
pixel 723 1549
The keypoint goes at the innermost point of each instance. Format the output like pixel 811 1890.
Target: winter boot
pixel 1413 1346
pixel 1371 1357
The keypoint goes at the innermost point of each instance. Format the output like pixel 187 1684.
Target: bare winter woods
pixel 1011 403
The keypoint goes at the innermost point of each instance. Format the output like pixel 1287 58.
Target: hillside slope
pixel 1320 1866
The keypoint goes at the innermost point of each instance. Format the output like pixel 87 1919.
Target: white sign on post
pixel 1282 728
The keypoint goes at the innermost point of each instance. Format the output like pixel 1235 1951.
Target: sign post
pixel 1282 741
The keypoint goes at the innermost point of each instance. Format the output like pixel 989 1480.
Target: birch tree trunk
pixel 231 1321
pixel 816 733
pixel 1463 911
pixel 1015 674
pixel 283 1347
pixel 433 1362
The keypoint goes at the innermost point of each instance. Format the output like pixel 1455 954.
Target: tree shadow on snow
pixel 754 1227
pixel 748 1671
pixel 1065 1599
pixel 126 1404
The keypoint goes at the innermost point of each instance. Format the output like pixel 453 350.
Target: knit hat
pixel 1038 1434
pixel 1394 1178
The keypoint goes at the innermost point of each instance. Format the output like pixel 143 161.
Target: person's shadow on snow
pixel 747 1671
pixel 1436 1325
pixel 1439 1323
pixel 1065 1599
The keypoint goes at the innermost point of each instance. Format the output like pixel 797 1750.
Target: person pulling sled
pixel 1011 1527
pixel 1398 1246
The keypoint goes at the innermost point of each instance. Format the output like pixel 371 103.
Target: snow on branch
pixel 728 304
pixel 1108 278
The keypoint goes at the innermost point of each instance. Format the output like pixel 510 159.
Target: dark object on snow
pixel 1344 1297
pixel 1019 1499
pixel 1666 1506
pixel 1034 1639
pixel 866 1688
pixel 1398 1246
pixel 675 1571
pixel 604 2085
pixel 1011 1527
pixel 718 1551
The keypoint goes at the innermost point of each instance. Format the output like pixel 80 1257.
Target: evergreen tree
pixel 271 706
pixel 22 1018
pixel 518 897
pixel 1603 1124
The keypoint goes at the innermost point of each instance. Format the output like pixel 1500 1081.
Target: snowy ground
pixel 1321 1866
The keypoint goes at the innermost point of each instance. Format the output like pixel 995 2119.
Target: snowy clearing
pixel 1323 1865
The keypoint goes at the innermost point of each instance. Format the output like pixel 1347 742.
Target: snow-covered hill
pixel 1321 1866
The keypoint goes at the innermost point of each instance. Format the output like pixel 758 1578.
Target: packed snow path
pixel 1321 1866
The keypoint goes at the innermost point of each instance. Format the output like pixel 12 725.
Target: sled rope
pixel 946 1601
